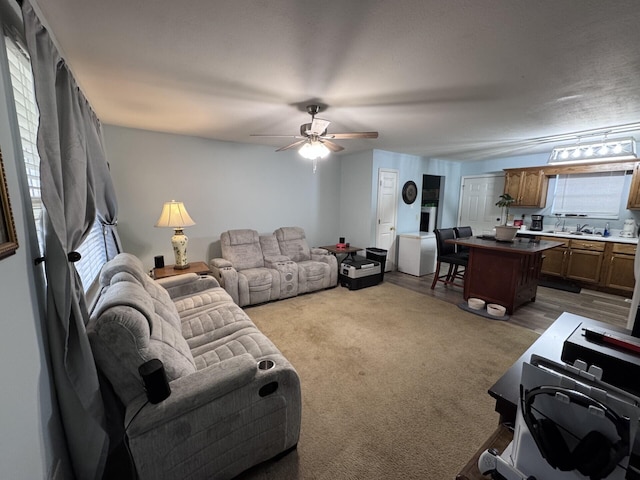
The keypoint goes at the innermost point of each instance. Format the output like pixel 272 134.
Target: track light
pixel 603 151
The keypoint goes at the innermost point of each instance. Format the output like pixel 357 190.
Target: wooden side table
pixel 201 268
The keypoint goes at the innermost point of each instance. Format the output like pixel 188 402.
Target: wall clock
pixel 409 192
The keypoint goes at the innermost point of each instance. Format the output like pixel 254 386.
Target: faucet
pixel 556 227
pixel 579 227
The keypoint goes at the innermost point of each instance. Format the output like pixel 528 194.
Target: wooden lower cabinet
pixel 585 260
pixel 620 274
pixel 607 266
pixel 555 258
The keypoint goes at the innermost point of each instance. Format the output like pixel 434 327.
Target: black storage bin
pixel 379 255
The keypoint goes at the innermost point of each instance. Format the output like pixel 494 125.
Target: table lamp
pixel 175 215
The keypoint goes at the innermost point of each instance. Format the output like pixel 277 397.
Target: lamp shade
pixel 175 215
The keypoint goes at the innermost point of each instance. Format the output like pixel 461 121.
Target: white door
pixel 387 213
pixel 478 202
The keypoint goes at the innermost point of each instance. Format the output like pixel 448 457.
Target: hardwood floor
pixel 549 305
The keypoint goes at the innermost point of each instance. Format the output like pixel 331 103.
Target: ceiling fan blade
pixel 291 145
pixel 334 147
pixel 346 136
pixel 318 126
pixel 275 136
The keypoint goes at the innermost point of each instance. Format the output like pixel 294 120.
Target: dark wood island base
pixel 505 273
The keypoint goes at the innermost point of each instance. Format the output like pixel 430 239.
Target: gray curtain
pixel 76 187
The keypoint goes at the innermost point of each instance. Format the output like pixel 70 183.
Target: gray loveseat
pixel 235 399
pixel 258 268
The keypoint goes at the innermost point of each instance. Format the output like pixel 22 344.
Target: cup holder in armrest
pixel 266 364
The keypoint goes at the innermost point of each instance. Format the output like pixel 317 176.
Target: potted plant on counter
pixel 504 232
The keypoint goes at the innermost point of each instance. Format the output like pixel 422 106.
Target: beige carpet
pixel 394 383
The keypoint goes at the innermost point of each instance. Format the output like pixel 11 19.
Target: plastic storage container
pixel 379 255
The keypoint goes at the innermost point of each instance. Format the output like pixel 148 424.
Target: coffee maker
pixel 536 222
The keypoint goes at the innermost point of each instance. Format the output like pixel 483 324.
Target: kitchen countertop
pixel 612 238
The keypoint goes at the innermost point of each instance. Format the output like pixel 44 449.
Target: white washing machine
pixel 417 253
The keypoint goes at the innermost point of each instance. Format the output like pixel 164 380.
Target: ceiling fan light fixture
pixel 313 149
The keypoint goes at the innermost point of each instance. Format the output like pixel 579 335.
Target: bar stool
pixel 463 232
pixel 447 254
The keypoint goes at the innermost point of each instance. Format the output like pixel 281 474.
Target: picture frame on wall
pixel 8 237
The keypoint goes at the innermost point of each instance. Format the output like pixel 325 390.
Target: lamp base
pixel 179 242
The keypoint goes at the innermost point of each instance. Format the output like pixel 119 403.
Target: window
pixel 27 113
pixel 94 249
pixel 596 195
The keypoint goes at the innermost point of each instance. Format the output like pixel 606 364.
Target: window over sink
pixel 595 195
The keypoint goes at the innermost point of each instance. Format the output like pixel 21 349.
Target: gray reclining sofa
pixel 235 399
pixel 258 268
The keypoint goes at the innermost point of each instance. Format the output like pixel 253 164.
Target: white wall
pixel 28 423
pixel 224 186
pixel 357 206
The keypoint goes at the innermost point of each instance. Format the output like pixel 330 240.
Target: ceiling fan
pixel 314 140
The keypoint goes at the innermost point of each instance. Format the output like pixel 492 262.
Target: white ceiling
pixel 462 79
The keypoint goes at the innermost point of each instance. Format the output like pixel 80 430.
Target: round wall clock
pixel 409 192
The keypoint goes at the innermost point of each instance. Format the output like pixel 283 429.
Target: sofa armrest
pixel 227 276
pixel 220 263
pixel 187 284
pixel 191 392
pixel 272 260
pixel 319 251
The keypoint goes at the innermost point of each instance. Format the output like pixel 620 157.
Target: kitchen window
pixel 596 195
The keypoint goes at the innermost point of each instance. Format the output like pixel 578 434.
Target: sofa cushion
pixel 258 285
pixel 293 243
pixel 123 262
pixel 247 340
pixel 129 268
pixel 126 330
pixel 213 323
pixel 269 245
pixel 242 248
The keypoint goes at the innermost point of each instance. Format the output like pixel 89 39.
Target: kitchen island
pixel 505 273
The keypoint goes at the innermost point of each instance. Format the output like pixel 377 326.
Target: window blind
pixel 94 248
pixel 597 195
pixel 27 113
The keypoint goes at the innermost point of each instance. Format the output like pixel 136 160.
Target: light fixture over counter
pixel 594 152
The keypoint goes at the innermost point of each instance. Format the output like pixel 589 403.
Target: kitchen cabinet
pixel 600 265
pixel 620 273
pixel 585 260
pixel 555 258
pixel 528 186
pixel 576 259
pixel 633 202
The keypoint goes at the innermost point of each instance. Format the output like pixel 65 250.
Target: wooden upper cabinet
pixel 633 203
pixel 527 186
